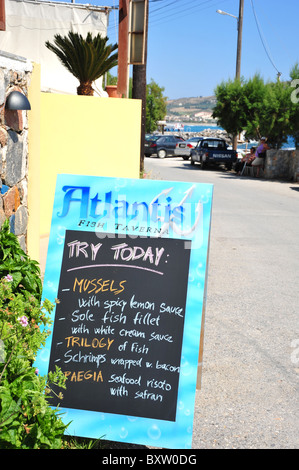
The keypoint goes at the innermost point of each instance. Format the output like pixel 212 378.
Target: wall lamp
pixel 17 101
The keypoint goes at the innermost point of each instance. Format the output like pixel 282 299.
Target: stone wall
pixel 15 74
pixel 282 164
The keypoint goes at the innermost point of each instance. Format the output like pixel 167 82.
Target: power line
pixel 179 12
pixel 260 34
pixel 163 6
pixel 276 32
pixel 180 6
pixel 174 9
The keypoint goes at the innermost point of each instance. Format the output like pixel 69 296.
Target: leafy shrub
pixel 26 419
pixel 14 261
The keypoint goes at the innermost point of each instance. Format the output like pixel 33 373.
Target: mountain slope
pixel 191 106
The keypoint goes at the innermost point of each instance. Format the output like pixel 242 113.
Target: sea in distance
pixel 185 127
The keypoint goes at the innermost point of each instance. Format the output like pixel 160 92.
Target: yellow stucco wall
pixel 89 136
pixel 33 235
pixel 78 135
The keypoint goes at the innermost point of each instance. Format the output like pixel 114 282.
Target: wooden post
pixel 200 355
pixel 123 49
pixel 2 16
pixel 139 89
pixel 202 330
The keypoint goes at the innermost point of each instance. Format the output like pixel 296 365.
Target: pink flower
pixel 9 278
pixel 23 320
pixel 36 371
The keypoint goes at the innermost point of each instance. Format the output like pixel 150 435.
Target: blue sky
pixel 191 48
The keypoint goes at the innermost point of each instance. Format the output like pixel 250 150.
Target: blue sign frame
pixel 132 207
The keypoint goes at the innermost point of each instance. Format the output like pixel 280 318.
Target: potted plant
pixel 87 59
pixel 112 91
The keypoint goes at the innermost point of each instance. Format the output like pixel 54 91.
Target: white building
pixel 29 24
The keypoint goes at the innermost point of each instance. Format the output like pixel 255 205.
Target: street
pixel 249 392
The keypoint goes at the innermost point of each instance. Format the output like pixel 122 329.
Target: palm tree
pixel 86 59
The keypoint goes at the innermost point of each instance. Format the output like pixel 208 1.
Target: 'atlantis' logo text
pixel 162 214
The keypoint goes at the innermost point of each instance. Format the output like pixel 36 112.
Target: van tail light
pixel 190 146
pixel 153 145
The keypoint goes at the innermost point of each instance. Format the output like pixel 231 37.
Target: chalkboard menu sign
pixel 127 263
pixel 119 323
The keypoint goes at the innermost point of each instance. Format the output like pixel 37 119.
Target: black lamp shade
pixel 16 101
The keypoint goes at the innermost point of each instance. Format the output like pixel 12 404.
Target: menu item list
pixel 119 323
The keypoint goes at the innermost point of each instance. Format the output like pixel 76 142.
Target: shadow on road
pixel 224 173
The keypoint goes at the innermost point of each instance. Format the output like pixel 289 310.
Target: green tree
pixel 276 116
pixel 253 101
pixel 111 79
pixel 155 105
pixel 87 59
pixel 229 106
pixel 256 107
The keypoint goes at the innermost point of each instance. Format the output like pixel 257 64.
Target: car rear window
pixel 213 144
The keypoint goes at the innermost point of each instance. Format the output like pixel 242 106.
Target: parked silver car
pixel 183 149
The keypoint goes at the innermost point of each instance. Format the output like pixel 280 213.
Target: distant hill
pixel 183 108
pixel 191 105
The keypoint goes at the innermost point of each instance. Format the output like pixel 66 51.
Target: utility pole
pixel 239 50
pixel 139 88
pixel 238 60
pixel 239 43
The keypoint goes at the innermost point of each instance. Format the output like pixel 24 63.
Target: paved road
pixel 249 396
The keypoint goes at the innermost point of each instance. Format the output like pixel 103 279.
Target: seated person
pixel 260 155
pixel 248 158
